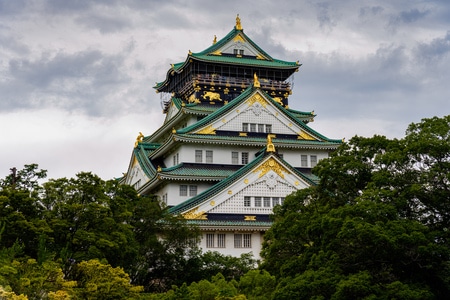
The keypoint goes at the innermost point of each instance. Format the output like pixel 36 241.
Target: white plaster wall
pixel 136 176
pixel 257 240
pixel 293 157
pixel 221 153
pixel 267 115
pixel 173 191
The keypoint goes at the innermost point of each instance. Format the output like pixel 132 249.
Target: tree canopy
pixel 376 225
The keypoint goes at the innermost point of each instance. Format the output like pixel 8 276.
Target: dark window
pixel 244 158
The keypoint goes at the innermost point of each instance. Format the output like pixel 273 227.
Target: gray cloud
pixel 79 81
pixel 366 68
pixel 435 51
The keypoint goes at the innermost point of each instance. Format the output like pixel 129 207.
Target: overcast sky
pixel 76 76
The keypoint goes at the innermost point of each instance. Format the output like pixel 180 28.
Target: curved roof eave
pixel 193 202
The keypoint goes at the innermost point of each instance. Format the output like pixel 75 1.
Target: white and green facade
pixel 230 147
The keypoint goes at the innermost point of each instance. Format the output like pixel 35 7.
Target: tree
pixel 101 281
pixel 20 209
pixel 257 285
pixel 231 267
pixel 376 225
pixel 89 218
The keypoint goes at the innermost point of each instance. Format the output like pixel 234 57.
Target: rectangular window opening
pixel 221 240
pixel 313 160
pixel 304 160
pixel 235 158
pixel 183 190
pixel 192 190
pixel 247 201
pixel 198 156
pixel 244 158
pixel 210 240
pixel 209 156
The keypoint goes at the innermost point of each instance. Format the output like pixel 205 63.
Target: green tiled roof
pixel 202 170
pixel 216 223
pixel 247 61
pixel 140 154
pixel 207 56
pixel 248 140
pixel 234 32
pixel 194 201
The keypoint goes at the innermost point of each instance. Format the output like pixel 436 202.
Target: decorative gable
pixel 135 176
pixel 172 110
pixel 254 193
pixel 240 46
pixel 257 113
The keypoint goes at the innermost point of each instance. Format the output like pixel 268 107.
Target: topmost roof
pixel 235 48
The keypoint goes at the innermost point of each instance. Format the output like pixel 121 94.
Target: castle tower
pixel 230 148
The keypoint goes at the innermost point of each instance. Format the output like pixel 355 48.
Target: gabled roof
pixel 215 54
pixel 249 92
pixel 224 184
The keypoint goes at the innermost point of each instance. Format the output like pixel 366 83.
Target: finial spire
pixel 270 145
pixel 256 81
pixel 215 39
pixel 238 23
pixel 139 139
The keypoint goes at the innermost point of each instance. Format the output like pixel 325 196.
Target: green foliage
pixel 101 281
pixel 376 226
pixel 79 219
pixel 257 285
pixel 231 267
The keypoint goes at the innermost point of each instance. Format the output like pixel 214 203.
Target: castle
pixel 230 148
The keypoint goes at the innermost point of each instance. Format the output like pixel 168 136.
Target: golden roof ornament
pixel 256 81
pixel 270 145
pixel 215 39
pixel 139 139
pixel 238 23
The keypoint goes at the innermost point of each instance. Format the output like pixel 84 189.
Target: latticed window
pixel 198 156
pixel 242 240
pixel 257 201
pixel 221 240
pixel 210 240
pixel 192 190
pixel 266 201
pixel 234 158
pixel 209 156
pixel 237 240
pixel 244 127
pixel 252 127
pixel 260 127
pixel 244 158
pixel 183 190
pixel 247 240
pixel 313 160
pixel 247 201
pixel 304 160
pixel 275 201
pixel 268 128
